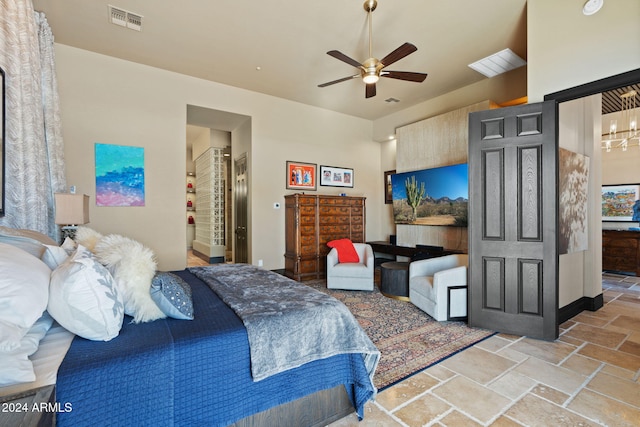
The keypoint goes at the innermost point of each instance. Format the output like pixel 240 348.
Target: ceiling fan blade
pixel 398 54
pixel 344 58
pixel 370 90
pixel 344 79
pixel 404 75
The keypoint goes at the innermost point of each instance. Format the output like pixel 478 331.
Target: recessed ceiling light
pixel 498 63
pixel 592 6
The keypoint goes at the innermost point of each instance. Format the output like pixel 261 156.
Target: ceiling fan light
pixel 370 78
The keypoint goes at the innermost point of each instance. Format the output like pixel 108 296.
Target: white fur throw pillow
pixel 133 267
pixel 87 237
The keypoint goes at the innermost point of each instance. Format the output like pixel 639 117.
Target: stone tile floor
pixel 589 376
pixel 195 261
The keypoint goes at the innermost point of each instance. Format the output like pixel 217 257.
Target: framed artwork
pixel 618 201
pixel 331 176
pixel 119 175
pixel 301 176
pixel 388 187
pixel 573 188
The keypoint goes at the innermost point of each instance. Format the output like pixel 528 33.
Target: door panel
pixel 241 250
pixel 513 262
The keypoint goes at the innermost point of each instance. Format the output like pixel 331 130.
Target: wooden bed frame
pixel 315 410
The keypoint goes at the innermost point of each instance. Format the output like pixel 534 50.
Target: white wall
pixel 388 154
pixel 112 101
pixel 579 132
pixel 566 48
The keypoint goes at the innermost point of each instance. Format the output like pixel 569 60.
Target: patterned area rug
pixel 409 340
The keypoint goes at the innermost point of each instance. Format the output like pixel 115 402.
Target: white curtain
pixel 34 156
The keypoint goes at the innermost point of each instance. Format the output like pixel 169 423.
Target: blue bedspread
pixel 186 373
pixel 288 323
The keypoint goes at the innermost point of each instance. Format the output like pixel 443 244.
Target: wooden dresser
pixel 311 222
pixel 621 251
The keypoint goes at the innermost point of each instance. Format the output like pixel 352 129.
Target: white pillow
pixel 15 366
pixel 83 298
pixel 24 290
pixel 133 266
pixel 28 240
pixel 53 256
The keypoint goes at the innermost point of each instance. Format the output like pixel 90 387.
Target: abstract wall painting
pixel 573 191
pixel 618 201
pixel 119 175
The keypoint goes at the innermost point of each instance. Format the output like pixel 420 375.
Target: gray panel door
pixel 513 259
pixel 241 250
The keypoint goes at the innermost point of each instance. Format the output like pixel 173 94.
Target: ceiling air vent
pixel 134 21
pixel 498 63
pixel 124 18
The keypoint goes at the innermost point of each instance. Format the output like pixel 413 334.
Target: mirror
pixel 2 143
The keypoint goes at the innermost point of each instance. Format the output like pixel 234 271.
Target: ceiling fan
pixel 372 69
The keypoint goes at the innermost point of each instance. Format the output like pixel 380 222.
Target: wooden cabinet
pixel 311 222
pixel 621 251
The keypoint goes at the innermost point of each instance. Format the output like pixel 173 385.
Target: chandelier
pixel 623 139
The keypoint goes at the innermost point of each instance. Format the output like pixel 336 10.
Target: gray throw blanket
pixel 288 323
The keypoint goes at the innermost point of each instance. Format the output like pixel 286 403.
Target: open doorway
pixel 213 138
pixel 583 285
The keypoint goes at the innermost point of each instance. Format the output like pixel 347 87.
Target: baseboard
pixel 585 303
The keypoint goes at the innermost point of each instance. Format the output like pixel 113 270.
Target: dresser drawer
pixel 307 220
pixel 615 251
pixel 327 201
pixel 335 210
pixel 307 200
pixel 357 228
pixel 307 210
pixel 307 229
pixel 329 230
pixel 329 220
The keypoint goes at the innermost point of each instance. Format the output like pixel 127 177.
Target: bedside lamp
pixel 71 210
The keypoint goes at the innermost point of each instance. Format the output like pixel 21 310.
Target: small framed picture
pixel 301 176
pixel 388 193
pixel 332 176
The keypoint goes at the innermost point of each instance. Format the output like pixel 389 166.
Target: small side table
pixel 394 280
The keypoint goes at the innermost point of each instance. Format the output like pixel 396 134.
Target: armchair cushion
pixel 438 286
pixel 346 251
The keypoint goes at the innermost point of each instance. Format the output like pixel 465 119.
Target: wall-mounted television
pixel 435 196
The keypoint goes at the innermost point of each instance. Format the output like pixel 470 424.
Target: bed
pixel 203 371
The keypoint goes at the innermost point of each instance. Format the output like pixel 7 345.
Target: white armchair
pixel 351 275
pixel 438 286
